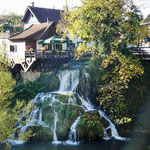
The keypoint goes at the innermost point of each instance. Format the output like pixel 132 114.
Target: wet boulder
pixel 90 126
pixel 67 114
pixel 40 133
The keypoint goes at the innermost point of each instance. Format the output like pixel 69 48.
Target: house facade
pixel 39 39
pixel 4 38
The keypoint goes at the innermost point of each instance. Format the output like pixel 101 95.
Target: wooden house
pixel 39 42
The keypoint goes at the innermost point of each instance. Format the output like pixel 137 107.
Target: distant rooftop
pixel 42 14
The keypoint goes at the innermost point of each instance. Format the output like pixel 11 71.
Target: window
pixel 48 46
pixel 13 48
pixel 57 47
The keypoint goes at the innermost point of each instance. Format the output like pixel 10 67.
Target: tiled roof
pixel 43 13
pixel 34 32
pixel 19 26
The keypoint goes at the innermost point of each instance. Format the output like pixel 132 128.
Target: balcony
pixel 48 54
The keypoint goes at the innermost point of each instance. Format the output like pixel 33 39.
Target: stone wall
pixel 30 76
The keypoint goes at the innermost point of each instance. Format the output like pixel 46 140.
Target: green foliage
pixel 118 71
pixel 90 126
pixel 110 26
pixel 27 91
pixel 49 82
pixel 9 20
pixel 137 95
pixel 40 133
pixel 6 83
pixel 3 51
pixel 9 115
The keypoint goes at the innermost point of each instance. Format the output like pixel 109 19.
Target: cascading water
pixel 55 141
pixel 73 133
pixel 69 80
pixel 71 86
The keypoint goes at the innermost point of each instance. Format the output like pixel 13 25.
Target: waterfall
pixel 73 133
pixel 114 132
pixel 55 141
pixel 69 81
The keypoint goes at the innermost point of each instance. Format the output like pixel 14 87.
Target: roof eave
pixel 25 14
pixel 51 23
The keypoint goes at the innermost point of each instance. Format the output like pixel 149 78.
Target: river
pixel 97 145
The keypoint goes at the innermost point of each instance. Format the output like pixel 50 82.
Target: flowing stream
pixel 55 141
pixel 69 80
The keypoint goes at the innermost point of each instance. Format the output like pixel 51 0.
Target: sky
pixel 19 6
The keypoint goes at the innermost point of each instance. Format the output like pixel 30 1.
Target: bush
pixel 27 91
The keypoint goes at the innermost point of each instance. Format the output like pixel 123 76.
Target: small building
pixel 39 40
pixel 4 38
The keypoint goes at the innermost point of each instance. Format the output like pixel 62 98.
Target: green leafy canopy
pixel 108 28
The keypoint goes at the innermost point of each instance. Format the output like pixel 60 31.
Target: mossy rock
pixel 41 134
pixel 62 98
pixel 57 106
pixel 72 112
pixel 68 98
pixel 46 102
pixel 90 126
pixel 48 116
pixel 62 131
pixel 67 114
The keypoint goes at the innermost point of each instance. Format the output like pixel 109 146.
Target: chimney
pixel 32 3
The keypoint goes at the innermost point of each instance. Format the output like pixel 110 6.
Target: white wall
pixel 19 55
pixel 75 40
pixel 32 20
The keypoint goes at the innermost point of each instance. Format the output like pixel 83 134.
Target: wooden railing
pixel 39 54
pixel 142 51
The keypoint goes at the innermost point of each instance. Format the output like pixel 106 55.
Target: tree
pixel 108 28
pixel 9 110
pixel 9 20
pixel 6 87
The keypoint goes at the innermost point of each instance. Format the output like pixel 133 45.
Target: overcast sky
pixel 19 6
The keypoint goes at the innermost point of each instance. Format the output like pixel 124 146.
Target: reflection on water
pixel 98 145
